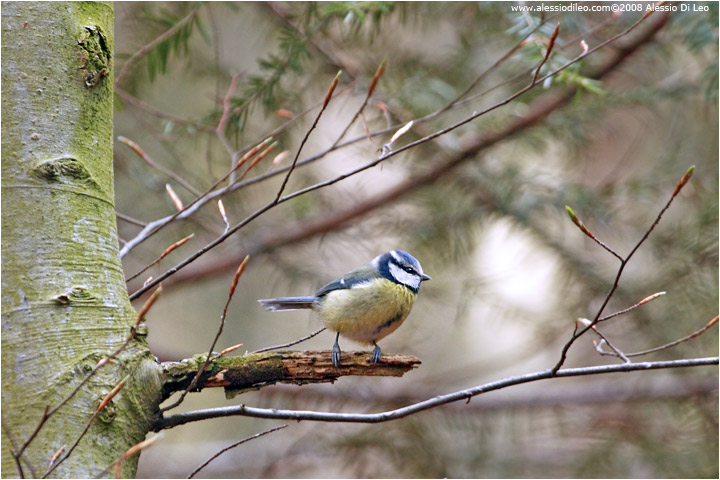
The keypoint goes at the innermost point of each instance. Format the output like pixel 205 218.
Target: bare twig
pixel 134 450
pixel 128 219
pixel 696 333
pixel 604 340
pixel 540 109
pixel 629 309
pixel 492 67
pixel 328 97
pixel 587 232
pixel 13 449
pixel 145 49
pixel 236 444
pixel 145 157
pixel 623 262
pixel 551 44
pixel 165 253
pixel 290 344
pixel 370 90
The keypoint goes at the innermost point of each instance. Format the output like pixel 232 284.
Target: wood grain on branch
pixel 253 371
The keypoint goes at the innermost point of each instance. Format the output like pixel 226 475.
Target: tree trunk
pixel 64 301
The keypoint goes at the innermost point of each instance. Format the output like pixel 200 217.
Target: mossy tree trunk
pixel 64 301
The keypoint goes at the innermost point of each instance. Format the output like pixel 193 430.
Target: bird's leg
pixel 376 353
pixel 336 352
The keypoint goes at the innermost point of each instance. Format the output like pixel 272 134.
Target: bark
pixel 64 300
pixel 254 371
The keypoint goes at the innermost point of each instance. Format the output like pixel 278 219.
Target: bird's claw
pixel 336 355
pixel 377 353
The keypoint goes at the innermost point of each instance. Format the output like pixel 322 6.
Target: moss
pixel 95 58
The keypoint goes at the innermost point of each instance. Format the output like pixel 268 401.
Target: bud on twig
pixel 149 303
pixel 221 209
pixel 685 178
pixel 376 77
pixel 650 298
pixel 108 398
pixel 238 273
pixel 173 196
pixel 578 223
pixel 330 91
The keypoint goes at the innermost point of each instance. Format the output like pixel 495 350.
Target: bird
pixel 366 304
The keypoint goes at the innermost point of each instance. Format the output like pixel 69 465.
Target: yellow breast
pixel 367 312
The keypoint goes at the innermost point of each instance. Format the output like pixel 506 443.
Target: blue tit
pixel 366 304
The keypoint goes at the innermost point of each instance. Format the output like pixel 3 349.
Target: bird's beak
pixel 425 277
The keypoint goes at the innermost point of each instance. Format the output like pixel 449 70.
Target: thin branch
pixel 630 309
pixel 236 444
pixel 551 44
pixel 134 450
pixel 492 67
pixel 243 410
pixel 615 351
pixel 128 219
pixel 599 391
pixel 540 109
pixel 696 333
pixel 328 97
pixel 680 184
pixel 289 344
pixel 147 159
pixel 145 49
pixel 370 90
pixel 147 108
pixel 13 449
pixel 588 233
pixel 165 253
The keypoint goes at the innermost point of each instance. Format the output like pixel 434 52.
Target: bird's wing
pixel 359 275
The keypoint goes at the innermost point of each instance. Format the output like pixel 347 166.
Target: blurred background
pixel 511 274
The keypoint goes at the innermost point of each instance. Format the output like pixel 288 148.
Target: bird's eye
pixel 408 270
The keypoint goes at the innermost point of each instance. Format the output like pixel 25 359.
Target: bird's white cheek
pixel 409 279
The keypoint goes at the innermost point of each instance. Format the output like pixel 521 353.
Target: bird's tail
pixel 287 303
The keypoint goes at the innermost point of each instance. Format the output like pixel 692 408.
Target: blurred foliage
pixel 510 272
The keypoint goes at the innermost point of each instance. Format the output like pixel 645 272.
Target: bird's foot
pixel 377 353
pixel 336 355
